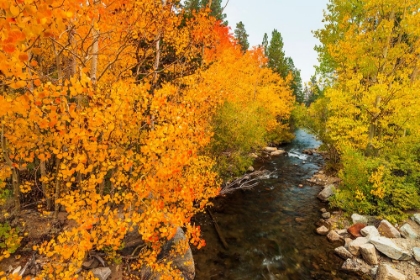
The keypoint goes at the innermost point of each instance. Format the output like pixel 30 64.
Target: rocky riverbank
pixel 370 247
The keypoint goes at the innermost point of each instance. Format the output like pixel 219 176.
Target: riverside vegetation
pixel 116 113
pixel 127 115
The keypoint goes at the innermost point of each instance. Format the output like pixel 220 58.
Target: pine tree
pixel 265 43
pixel 276 56
pixel 297 80
pixel 216 9
pixel 241 36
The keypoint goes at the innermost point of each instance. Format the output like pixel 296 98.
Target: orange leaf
pixel 9 48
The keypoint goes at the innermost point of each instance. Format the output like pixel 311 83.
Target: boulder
pixel 369 232
pixel 390 249
pixel 326 192
pixel 184 262
pixel 251 169
pixel 416 218
pixel 277 152
pixel 343 253
pixel 386 272
pixel 102 273
pixel 323 210
pixel 322 230
pixel 253 155
pixel 333 236
pixel 354 230
pixel 326 215
pixel 408 232
pixel 416 253
pixel 359 219
pixel 368 252
pixel 347 242
pixel 354 246
pixel 357 266
pixel 386 229
pixel 269 149
pixel 341 231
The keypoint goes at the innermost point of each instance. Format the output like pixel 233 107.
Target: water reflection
pixel 270 229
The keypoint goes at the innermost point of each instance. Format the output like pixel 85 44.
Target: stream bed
pixel 271 228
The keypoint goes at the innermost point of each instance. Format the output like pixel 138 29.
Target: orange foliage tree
pixel 106 109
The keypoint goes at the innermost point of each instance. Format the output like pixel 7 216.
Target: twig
pixel 218 230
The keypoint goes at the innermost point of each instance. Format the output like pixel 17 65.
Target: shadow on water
pixel 270 229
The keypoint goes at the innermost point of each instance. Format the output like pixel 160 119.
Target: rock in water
pixel 390 249
pixel 102 273
pixel 368 252
pixel 343 253
pixel 408 232
pixel 270 149
pixel 386 229
pixel 326 215
pixel 356 265
pixel 326 192
pixel 386 272
pixel 322 230
pixel 333 236
pixel 277 153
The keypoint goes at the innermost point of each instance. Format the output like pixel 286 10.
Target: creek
pixel 271 228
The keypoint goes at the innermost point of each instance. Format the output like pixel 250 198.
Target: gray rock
pixel 253 155
pixel 356 266
pixel 277 153
pixel 341 231
pixel 374 271
pixel 343 253
pixel 347 242
pixel 416 218
pixel 408 232
pixel 185 262
pixel 322 230
pixel 359 219
pixel 386 229
pixel 102 273
pixel 269 149
pixel 416 253
pixel 390 249
pixel 90 263
pixel 326 215
pixel 368 252
pixel 333 236
pixel 326 192
pixel 354 246
pixel 369 232
pixel 386 272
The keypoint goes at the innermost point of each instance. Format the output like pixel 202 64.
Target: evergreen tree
pixel 216 9
pixel 276 56
pixel 192 5
pixel 241 36
pixel 265 43
pixel 297 80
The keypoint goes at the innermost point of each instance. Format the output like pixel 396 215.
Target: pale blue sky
pixel 294 19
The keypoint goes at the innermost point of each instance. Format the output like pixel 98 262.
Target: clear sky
pixel 294 19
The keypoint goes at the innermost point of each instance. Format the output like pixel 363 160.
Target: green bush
pixel 374 186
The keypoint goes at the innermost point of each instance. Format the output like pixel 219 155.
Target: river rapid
pixel 271 228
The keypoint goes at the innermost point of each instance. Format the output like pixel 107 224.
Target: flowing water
pixel 271 228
